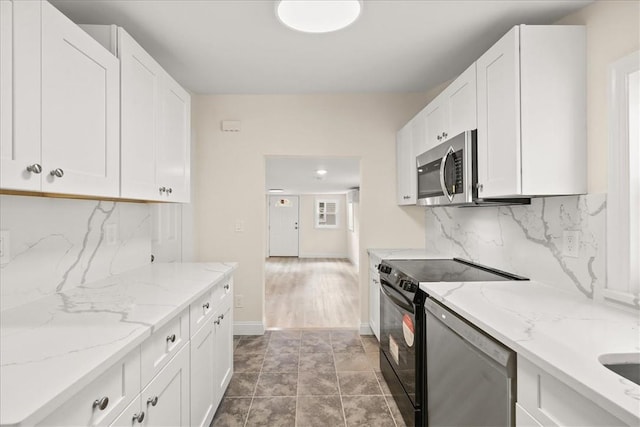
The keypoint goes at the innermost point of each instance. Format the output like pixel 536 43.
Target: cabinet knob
pixel 171 338
pixel 152 400
pixel 169 190
pixel 439 138
pixel 226 286
pixel 139 417
pixel 217 321
pixel 444 134
pixel 34 168
pixel 205 305
pixel 101 403
pixel 57 172
pixel 222 317
pixel 162 189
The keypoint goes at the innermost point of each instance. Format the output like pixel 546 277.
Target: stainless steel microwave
pixel 445 172
pixel 448 176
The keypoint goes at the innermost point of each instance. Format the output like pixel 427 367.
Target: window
pixel 327 213
pixel 623 199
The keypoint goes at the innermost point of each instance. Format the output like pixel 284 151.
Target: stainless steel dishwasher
pixel 470 376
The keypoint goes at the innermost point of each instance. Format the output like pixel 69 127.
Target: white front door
pixel 283 226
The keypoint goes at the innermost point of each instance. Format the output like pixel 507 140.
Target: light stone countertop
pixel 51 348
pixel 562 332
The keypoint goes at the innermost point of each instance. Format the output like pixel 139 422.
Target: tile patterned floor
pixel 307 378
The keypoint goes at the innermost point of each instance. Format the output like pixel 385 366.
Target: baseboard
pixel 248 328
pixel 323 255
pixel 365 329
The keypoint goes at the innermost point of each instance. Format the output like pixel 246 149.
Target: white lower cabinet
pixel 223 348
pixel 202 376
pixel 374 295
pixel 100 402
pixel 544 400
pixel 165 401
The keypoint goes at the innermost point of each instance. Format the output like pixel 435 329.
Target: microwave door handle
pixel 443 162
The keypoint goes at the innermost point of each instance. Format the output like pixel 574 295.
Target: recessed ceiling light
pixel 276 190
pixel 318 16
pixel 321 172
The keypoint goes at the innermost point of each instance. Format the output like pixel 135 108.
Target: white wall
pixel 322 242
pixel 613 31
pixel 230 173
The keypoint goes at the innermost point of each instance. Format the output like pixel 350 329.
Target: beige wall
pixel 613 31
pixel 353 237
pixel 322 242
pixel 229 175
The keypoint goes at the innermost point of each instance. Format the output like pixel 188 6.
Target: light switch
pixel 239 227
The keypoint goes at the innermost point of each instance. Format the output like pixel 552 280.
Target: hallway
pixel 311 293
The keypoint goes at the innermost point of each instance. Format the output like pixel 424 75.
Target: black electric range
pixel 402 337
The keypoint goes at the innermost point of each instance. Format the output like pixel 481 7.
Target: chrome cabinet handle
pixel 101 403
pixel 57 172
pixel 171 338
pixel 222 317
pixel 205 305
pixel 217 322
pixel 162 189
pixel 152 400
pixel 444 134
pixel 34 168
pixel 226 286
pixel 439 138
pixel 169 190
pixel 139 417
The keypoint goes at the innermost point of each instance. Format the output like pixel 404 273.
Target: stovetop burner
pixel 445 270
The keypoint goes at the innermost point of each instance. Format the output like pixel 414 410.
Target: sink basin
pixel 626 365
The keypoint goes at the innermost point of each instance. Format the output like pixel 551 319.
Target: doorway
pixel 312 245
pixel 283 226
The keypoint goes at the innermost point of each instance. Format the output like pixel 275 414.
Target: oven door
pixel 399 341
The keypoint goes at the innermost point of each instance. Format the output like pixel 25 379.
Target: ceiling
pixel 239 46
pixel 297 175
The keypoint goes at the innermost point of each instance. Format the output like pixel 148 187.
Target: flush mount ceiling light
pixel 321 172
pixel 276 190
pixel 318 16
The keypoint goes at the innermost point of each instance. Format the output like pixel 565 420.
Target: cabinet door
pixel 374 303
pixel 80 110
pixel 166 399
pixel 419 133
pixel 405 167
pixel 223 350
pixel 202 376
pixel 499 118
pixel 461 103
pixel 131 416
pixel 174 172
pixel 140 103
pixel 435 122
pixel 20 95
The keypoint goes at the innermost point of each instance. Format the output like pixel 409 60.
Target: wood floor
pixel 311 293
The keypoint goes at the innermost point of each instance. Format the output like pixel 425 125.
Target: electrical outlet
pixel 239 226
pixel 571 243
pixel 239 301
pixel 5 246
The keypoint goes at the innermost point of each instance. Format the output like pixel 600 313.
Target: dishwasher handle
pixel 491 348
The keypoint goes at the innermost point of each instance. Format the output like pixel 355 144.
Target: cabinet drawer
pixel 221 291
pixel 130 416
pixel 200 312
pixel 158 349
pixel 553 403
pixel 114 389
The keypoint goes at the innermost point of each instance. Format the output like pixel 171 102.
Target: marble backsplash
pixel 57 244
pixel 528 240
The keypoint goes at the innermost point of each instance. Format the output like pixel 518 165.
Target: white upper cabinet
pixel 453 111
pixel 62 135
pixel 405 167
pixel 419 133
pixel 20 65
pixel 156 123
pixel 531 93
pixel 173 164
pixel 80 110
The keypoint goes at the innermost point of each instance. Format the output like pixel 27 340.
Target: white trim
pixel 365 329
pixel 618 233
pixel 323 255
pixel 248 328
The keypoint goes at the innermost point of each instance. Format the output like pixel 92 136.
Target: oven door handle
pixel 402 302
